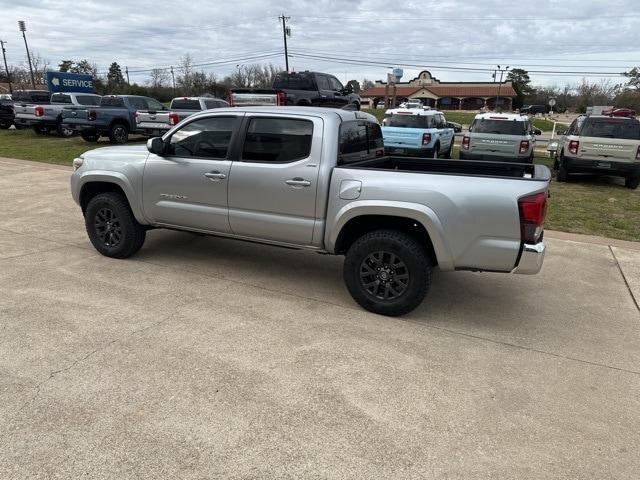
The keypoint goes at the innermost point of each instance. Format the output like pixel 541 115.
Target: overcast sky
pixel 454 39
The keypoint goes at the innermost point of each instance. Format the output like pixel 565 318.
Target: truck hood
pixel 115 158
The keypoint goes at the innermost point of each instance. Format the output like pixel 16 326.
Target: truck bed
pixel 524 171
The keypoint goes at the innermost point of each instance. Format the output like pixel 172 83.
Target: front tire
pixel 387 272
pixel 118 134
pixel 111 226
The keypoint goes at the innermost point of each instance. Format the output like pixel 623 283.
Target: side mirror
pixel 156 146
pixel 537 131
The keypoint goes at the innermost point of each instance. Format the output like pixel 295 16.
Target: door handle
pixel 215 176
pixel 298 182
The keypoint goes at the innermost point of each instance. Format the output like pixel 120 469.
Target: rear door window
pixel 611 128
pixel 277 140
pixel 323 82
pixel 112 102
pixel 359 140
pixel 498 127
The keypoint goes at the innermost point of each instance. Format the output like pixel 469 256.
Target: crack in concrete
pixel 79 360
pixel 633 297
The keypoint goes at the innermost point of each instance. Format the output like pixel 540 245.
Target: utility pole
pixel 23 29
pixel 501 70
pixel 4 56
pixel 173 80
pixel 286 31
pixel 126 71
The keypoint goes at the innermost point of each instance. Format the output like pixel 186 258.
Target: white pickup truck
pixel 48 118
pixel 317 179
pixel 154 123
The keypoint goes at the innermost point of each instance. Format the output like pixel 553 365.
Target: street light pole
pixel 23 29
pixel 6 68
pixel 501 70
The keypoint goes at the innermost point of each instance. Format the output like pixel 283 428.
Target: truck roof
pixel 345 115
pixel 502 116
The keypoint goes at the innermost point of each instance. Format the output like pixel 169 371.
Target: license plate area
pixel 603 164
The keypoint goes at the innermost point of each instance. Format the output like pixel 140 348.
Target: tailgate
pixel 74 115
pixel 248 99
pixel 490 144
pixel 400 137
pixel 153 120
pixel 25 112
pixel 608 149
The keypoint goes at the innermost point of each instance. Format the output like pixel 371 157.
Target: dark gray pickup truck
pixel 306 89
pixel 115 117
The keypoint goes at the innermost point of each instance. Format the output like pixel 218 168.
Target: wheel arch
pixel 97 184
pixel 358 218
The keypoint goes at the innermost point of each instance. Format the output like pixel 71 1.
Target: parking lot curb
pixel 16 161
pixel 593 239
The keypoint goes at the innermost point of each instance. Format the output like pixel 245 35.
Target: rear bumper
pixel 494 158
pixel 152 130
pixel 80 127
pixel 581 165
pixel 531 259
pixel 29 122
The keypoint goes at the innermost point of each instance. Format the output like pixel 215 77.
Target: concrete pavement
pixel 209 358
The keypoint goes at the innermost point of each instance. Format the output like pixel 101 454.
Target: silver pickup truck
pixel 317 179
pixel 154 123
pixel 48 118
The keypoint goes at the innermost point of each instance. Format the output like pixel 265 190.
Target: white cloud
pixel 547 35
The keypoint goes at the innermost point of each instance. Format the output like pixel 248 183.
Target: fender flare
pixel 104 176
pixel 414 211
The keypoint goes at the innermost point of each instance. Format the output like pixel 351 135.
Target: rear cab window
pixel 61 98
pixel 185 104
pixel 293 81
pixel 88 100
pixel 409 121
pixel 359 140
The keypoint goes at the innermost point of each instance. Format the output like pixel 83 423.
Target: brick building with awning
pixel 445 95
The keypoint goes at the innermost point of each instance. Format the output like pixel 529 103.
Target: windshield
pixel 499 127
pixel 627 129
pixel 409 121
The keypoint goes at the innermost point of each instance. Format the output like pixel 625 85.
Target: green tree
pixel 115 80
pixel 355 85
pixel 634 78
pixel 65 65
pixel 521 82
pixel 83 66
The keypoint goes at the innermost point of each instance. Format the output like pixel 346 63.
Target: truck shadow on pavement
pixel 460 297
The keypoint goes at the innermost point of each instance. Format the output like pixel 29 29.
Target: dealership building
pixel 445 95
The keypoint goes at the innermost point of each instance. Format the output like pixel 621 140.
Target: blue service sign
pixel 70 82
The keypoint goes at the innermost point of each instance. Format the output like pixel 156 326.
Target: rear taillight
pixel 465 143
pixel 532 210
pixel 282 99
pixel 638 154
pixel 173 119
pixel 232 102
pixel 91 115
pixel 426 138
pixel 39 111
pixel 137 118
pixel 573 147
pixel 524 146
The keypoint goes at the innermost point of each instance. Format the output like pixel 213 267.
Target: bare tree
pixel 158 78
pixel 185 67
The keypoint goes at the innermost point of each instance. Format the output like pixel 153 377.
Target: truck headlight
pixel 77 163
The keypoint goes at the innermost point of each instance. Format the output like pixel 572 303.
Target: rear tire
pixel 118 133
pixel 387 272
pixel 90 137
pixel 450 150
pixel 112 227
pixel 632 182
pixel 64 132
pixel 563 173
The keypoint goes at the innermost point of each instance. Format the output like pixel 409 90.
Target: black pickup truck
pixel 301 89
